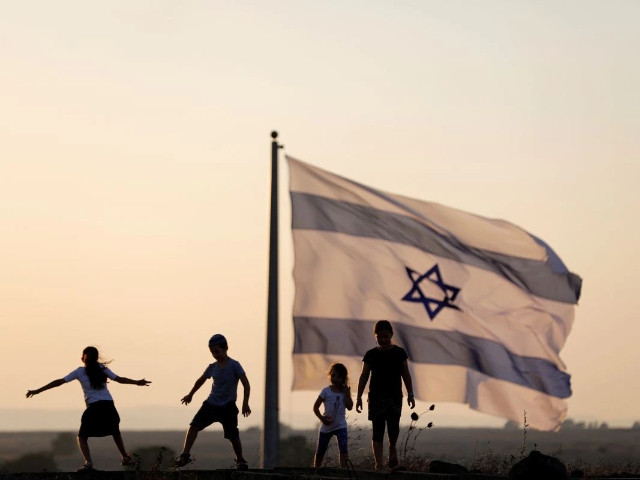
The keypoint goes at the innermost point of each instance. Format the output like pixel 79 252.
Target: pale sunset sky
pixel 135 175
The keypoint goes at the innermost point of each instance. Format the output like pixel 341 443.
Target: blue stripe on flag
pixel 550 280
pixel 433 347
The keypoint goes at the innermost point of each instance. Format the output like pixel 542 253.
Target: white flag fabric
pixel 482 307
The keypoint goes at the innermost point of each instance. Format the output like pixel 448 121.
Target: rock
pixel 538 466
pixel 438 466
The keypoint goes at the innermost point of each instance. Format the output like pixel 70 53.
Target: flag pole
pixel 271 430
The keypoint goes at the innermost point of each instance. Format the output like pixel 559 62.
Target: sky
pixel 135 176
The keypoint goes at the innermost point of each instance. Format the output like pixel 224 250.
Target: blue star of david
pixel 433 306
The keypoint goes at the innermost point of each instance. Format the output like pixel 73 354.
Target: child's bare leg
pixel 189 439
pixel 117 438
pixel 377 453
pixel 83 444
pixel 393 432
pixel 236 444
pixel 393 453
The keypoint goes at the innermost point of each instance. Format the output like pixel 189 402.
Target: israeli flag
pixel 481 306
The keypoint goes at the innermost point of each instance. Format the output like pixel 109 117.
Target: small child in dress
pixel 336 398
pixel 100 419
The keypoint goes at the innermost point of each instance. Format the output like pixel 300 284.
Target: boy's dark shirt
pixel 386 371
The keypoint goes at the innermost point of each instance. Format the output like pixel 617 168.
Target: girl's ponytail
pixel 94 369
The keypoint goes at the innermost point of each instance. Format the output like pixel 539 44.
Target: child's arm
pixel 128 381
pixel 188 397
pixel 408 383
pixel 246 411
pixel 348 401
pixel 54 384
pixel 316 409
pixel 364 378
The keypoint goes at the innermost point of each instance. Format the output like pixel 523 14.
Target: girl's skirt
pixel 100 419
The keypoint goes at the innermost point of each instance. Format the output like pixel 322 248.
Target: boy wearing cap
pixel 220 406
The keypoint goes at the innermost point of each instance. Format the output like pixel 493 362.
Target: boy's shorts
pixel 227 415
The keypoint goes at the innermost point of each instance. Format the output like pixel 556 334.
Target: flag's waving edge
pixel 482 307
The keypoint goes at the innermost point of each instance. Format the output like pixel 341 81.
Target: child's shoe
pixel 182 460
pixel 87 467
pixel 241 464
pixel 127 461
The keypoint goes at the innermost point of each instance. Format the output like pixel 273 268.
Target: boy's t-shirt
pixel 335 408
pixel 386 371
pixel 225 382
pixel 91 394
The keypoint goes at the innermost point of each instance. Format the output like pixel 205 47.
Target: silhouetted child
pixel 220 406
pixel 101 418
pixel 336 398
pixel 388 367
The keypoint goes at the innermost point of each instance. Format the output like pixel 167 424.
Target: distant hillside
pixel 470 447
